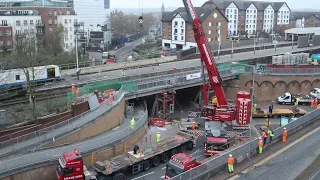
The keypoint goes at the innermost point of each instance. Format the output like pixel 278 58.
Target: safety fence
pixel 216 164
pixel 50 156
pixel 46 134
pixel 291 71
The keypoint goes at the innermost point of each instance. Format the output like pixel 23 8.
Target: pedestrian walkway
pixel 36 143
pixel 283 161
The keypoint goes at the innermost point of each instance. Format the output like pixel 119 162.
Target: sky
pixel 293 4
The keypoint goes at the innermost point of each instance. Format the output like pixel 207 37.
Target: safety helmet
pixel 193 122
pixel 284 128
pixel 259 137
pixel 230 155
pixel 158 132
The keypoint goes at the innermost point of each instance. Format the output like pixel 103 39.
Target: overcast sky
pixel 293 4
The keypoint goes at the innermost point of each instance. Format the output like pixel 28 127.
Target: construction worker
pixel 230 163
pixel 174 67
pixel 73 87
pixel 254 107
pixel 316 102
pixel 313 103
pixel 271 134
pixel 284 135
pixel 132 122
pixel 297 101
pixel 265 137
pixel 158 137
pixel 193 126
pixel 260 144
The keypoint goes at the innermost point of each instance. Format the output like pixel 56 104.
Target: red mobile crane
pixel 224 111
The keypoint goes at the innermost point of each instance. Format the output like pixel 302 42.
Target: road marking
pixel 115 128
pixel 195 152
pixel 275 154
pixel 143 175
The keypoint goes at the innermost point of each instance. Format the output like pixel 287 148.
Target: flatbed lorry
pixel 290 112
pixel 288 98
pixel 71 164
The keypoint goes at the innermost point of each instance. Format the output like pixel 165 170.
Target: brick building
pixel 6 37
pixel 251 17
pixel 38 16
pixel 305 19
pixel 177 32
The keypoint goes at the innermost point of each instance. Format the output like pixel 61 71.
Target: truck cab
pixel 215 145
pixel 315 93
pixel 70 166
pixel 180 163
pixel 286 98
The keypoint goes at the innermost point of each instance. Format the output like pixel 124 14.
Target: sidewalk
pixel 269 150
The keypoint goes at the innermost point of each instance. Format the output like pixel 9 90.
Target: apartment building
pixel 6 37
pixel 251 17
pixel 68 23
pixel 177 30
pixel 304 19
pixel 39 16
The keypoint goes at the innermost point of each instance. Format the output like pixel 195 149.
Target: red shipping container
pixel 244 107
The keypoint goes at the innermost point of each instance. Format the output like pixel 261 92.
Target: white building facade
pixel 268 19
pixel 283 15
pixel 251 20
pixel 178 34
pixel 68 22
pixel 231 14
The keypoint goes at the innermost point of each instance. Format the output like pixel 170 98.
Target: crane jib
pixel 193 16
pixel 207 53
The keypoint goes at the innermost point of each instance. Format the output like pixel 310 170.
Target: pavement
pixel 86 145
pixel 168 66
pixel 281 161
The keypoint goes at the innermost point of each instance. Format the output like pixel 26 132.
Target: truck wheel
pixel 190 146
pixel 165 157
pixel 155 161
pixel 146 166
pixel 119 176
pixel 173 152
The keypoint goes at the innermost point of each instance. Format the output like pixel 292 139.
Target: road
pixel 286 163
pixel 121 53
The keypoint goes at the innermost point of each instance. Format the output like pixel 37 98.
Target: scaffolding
pixel 163 107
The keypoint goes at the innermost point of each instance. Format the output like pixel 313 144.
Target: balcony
pixel 39 25
pixel 78 23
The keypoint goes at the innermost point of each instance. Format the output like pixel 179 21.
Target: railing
pixel 212 166
pixel 48 157
pixel 63 128
pixel 291 71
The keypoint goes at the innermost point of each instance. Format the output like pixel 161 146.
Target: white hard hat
pixel 193 122
pixel 230 155
pixel 259 137
pixel 284 128
pixel 158 132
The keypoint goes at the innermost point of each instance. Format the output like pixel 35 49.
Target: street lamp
pixel 252 104
pixel 292 39
pixel 219 24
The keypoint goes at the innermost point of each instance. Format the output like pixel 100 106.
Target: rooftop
pixel 311 30
pixel 299 15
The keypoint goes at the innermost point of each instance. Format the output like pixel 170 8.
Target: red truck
pixel 71 163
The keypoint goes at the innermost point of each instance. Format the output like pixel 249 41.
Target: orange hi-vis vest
pixel 260 143
pixel 285 132
pixel 230 160
pixel 264 134
pixel 193 126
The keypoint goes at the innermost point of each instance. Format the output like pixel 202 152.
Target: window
pixel 49 13
pixel 231 10
pixel 209 23
pixel 254 11
pixel 0 33
pixel 25 22
pixel 247 11
pixel 70 21
pixel 8 32
pixel 68 12
pixel 66 21
pixel 17 77
pixel 70 38
pixel 235 11
pixel 254 21
pixel 55 13
pixel 50 29
pixel 176 23
pixel 31 31
pixel 216 38
pixel 50 21
pixel 67 46
pixel 176 38
pixel 1 43
pixel 9 43
pixel 231 16
pixel 209 39
pixel 227 11
pixel 182 31
pixel 175 31
pixel 250 11
pixel 70 28
pixel 181 38
pixel 235 21
pixel 247 16
pixel 55 21
pixel 68 170
pixel 71 45
pixel 31 22
pixel 209 31
pixel 18 22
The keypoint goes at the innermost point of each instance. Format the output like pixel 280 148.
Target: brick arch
pixel 305 86
pixel 245 85
pixel 294 81
pixel 316 82
pixel 280 82
pixel 266 90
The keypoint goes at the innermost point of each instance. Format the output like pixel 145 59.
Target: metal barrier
pixel 214 165
pixel 50 156
pixel 63 128
pixel 292 71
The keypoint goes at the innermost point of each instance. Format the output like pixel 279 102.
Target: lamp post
pixel 252 104
pixel 219 44
pixel 231 48
pixel 292 39
pixel 77 57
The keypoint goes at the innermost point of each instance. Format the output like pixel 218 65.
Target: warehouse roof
pixel 311 30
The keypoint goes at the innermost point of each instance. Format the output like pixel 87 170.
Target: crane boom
pixel 206 55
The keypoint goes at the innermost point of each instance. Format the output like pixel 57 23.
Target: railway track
pixel 40 96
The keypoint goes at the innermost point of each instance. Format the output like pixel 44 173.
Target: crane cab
pixel 219 113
